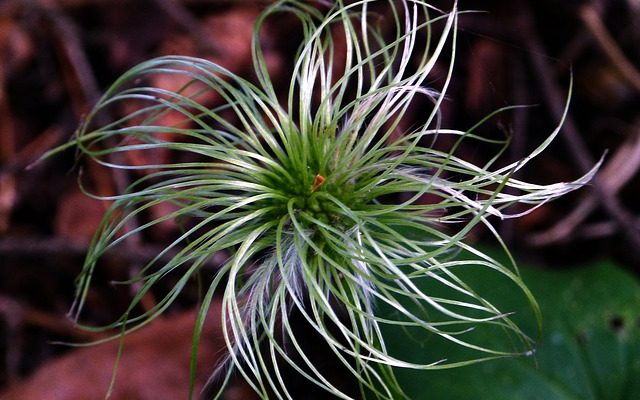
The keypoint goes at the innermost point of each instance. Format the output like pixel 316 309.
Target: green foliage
pixel 589 349
pixel 324 204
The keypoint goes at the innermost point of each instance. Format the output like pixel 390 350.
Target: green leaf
pixel 589 349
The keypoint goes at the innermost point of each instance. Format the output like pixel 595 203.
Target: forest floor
pixel 58 56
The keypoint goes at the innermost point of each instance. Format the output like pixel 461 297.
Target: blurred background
pixel 58 56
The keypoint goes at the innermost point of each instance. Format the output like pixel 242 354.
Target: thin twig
pixel 517 147
pixel 87 93
pixel 56 323
pixel 54 248
pixel 599 230
pixel 594 24
pixel 620 169
pixel 32 151
pixel 578 149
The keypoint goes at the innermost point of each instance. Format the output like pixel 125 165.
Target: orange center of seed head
pixel 317 183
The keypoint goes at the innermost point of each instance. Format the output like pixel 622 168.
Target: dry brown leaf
pixel 78 217
pixel 7 199
pixel 154 365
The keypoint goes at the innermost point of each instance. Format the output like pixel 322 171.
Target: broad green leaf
pixel 589 349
